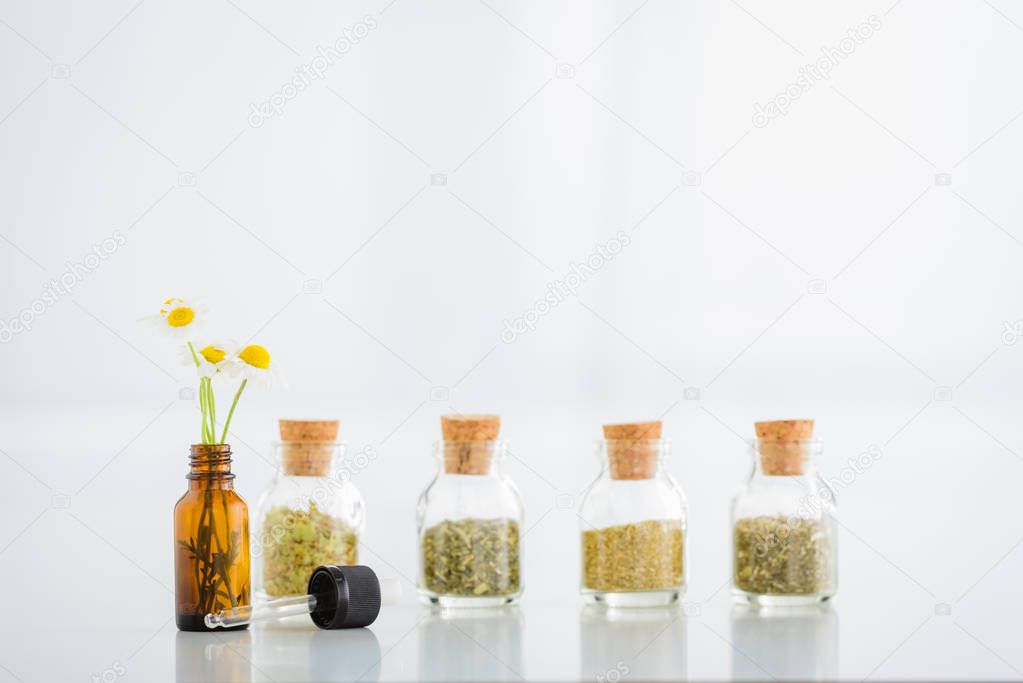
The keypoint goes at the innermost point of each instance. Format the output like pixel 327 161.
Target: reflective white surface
pixel 928 572
pixel 537 643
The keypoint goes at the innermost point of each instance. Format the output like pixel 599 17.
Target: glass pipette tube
pixel 264 611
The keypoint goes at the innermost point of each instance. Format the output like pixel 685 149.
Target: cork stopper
pixel 784 446
pixel 469 442
pixel 632 449
pixel 308 446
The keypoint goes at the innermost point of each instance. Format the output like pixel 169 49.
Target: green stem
pixel 227 529
pixel 195 356
pixel 230 413
pixel 210 410
pixel 206 387
pixel 213 408
pixel 205 551
pixel 198 559
pixel 202 407
pixel 203 404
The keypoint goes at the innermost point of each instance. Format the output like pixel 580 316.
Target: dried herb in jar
pixel 633 557
pixel 781 556
pixel 472 557
pixel 295 542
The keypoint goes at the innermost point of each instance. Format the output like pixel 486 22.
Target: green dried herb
pixel 633 557
pixel 781 556
pixel 472 557
pixel 295 542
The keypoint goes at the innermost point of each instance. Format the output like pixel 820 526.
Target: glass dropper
pixel 338 597
pixel 264 611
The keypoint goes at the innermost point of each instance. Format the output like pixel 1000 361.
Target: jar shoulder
pixel 608 502
pixel 808 496
pixel 296 491
pixel 304 495
pixel 458 496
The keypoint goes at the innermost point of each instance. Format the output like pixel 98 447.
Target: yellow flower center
pixel 213 355
pixel 256 356
pixel 180 316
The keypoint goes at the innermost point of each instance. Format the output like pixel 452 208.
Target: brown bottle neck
pixel 210 467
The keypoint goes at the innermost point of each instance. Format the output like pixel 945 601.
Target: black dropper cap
pixel 346 596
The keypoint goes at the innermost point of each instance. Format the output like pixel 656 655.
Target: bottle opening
pixel 209 461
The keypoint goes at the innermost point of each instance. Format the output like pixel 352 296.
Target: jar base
pixel 634 598
pixel 761 600
pixel 470 601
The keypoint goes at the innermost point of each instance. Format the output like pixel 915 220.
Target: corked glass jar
pixel 633 522
pixel 784 528
pixel 311 515
pixel 469 519
pixel 211 540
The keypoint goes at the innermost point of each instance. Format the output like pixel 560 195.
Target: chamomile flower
pixel 179 317
pixel 212 358
pixel 254 364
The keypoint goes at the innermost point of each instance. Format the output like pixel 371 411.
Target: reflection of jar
pixel 469 520
pixel 632 644
pixel 312 514
pixel 291 650
pixel 633 522
pixel 471 645
pixel 784 532
pixel 785 643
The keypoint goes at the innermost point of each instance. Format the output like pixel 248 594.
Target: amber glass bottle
pixel 211 540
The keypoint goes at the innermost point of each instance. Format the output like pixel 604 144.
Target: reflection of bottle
pixel 201 657
pixel 292 650
pixel 471 645
pixel 787 643
pixel 624 644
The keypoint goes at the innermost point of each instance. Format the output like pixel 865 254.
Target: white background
pixel 854 261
